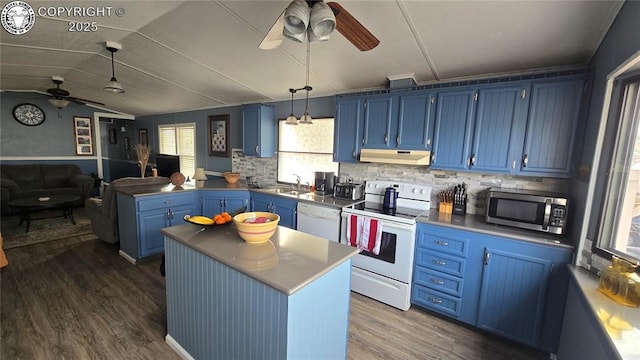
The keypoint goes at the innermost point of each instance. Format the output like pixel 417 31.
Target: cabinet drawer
pixel 447 244
pixel 437 301
pixel 446 263
pixel 438 281
pixel 165 202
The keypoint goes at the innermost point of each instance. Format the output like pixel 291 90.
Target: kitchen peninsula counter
pixel 287 298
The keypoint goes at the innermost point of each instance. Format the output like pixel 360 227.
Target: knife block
pixel 460 207
pixel 445 207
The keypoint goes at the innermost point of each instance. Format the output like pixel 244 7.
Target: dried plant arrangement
pixel 143 152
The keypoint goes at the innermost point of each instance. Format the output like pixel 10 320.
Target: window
pixel 620 222
pixel 179 140
pixel 305 149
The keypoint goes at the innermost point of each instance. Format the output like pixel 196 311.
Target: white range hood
pixel 403 157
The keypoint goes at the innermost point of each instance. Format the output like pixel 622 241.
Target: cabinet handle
pixel 397 140
pixel 168 201
pixel 487 256
pixel 513 164
pixel 168 215
pixel 523 94
pixel 428 141
pixel 386 139
pixel 441 243
pixel 433 157
pixel 473 159
pixel 525 160
pixel 221 203
pixel 439 262
pixel 362 141
pixel 353 154
pixel 436 281
pixel 435 300
pixel 257 149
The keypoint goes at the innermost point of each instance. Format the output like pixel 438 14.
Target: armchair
pixel 103 212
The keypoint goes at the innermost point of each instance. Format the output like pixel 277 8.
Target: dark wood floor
pixel 75 299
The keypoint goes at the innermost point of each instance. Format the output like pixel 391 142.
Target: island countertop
pixel 289 261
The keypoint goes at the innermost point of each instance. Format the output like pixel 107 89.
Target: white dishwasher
pixel 318 220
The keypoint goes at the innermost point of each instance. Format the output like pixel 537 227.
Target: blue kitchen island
pixel 287 298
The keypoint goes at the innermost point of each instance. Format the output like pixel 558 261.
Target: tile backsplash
pixel 265 170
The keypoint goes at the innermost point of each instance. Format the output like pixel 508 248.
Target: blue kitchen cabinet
pixel 141 218
pixel 499 128
pixel 258 130
pixel 509 287
pixel 380 121
pixel 453 128
pixel 285 208
pixel 415 120
pixel 347 136
pixel 216 201
pixel 551 125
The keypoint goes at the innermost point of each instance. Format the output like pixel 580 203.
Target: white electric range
pixel 387 276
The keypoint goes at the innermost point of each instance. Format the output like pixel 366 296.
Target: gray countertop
pixel 221 184
pixel 604 309
pixel 477 223
pixel 287 262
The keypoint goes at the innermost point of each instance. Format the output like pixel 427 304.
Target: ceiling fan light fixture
pixel 113 85
pixel 296 20
pixel 59 103
pixel 322 20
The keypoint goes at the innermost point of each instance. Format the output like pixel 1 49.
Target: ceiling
pixel 185 55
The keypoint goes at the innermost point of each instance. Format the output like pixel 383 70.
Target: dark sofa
pixel 36 180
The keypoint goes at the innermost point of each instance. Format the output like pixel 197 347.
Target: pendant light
pixel 291 119
pixel 113 85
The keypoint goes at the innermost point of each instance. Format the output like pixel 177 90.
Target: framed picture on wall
pixel 83 135
pixel 127 143
pixel 219 135
pixel 144 140
pixel 113 138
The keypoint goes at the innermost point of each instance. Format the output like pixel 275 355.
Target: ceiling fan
pixel 316 19
pixel 60 97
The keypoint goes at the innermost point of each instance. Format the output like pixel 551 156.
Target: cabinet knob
pixel 439 262
pixel 525 160
pixel 473 159
pixel 441 243
pixel 513 164
pixel 433 157
pixel 257 149
pixel 436 281
pixel 397 140
pixel 487 256
pixel 386 139
pixel 353 154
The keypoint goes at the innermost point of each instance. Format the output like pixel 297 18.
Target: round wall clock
pixel 28 114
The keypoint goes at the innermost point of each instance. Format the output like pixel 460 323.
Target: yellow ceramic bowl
pixel 231 177
pixel 256 232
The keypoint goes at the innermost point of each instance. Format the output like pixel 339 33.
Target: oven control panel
pixel 405 190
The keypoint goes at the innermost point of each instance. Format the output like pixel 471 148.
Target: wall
pixel 52 141
pixel 621 42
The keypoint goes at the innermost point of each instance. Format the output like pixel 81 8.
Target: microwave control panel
pixel 558 215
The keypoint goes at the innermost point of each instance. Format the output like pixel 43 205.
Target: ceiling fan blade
pixel 274 37
pixel 82 101
pixel 352 29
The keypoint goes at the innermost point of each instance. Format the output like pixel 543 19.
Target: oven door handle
pixel 387 224
pixel 547 214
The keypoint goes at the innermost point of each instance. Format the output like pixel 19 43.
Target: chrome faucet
pixel 297 181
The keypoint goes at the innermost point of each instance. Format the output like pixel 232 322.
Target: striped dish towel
pixel 364 233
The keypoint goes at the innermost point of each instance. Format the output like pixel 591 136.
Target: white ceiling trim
pixel 418 39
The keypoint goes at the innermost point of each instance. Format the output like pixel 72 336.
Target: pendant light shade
pixel 291 119
pixel 113 85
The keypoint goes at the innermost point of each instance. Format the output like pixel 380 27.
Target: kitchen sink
pixel 285 191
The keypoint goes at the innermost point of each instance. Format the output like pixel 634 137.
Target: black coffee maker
pixel 324 182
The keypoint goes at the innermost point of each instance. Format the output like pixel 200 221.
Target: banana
pixel 202 220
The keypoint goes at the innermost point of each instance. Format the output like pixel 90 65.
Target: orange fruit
pixel 226 217
pixel 220 220
pixel 216 217
pixel 224 213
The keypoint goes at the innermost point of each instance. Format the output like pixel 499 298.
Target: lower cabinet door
pixel 150 240
pixel 512 295
pixel 235 203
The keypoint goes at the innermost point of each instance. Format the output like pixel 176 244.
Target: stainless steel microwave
pixel 533 210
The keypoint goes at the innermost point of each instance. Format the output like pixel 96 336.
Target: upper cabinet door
pixel 347 132
pixel 258 130
pixel 551 125
pixel 415 121
pixel 499 128
pixel 453 126
pixel 379 112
